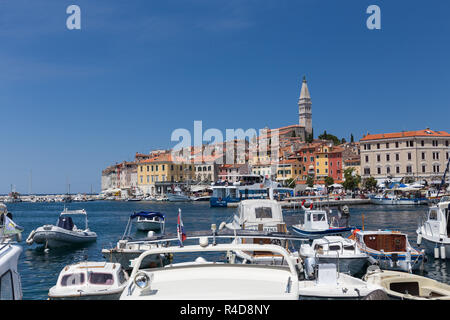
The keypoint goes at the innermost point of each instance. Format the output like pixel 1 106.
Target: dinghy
pixel 89 281
pixel 405 286
pixel 64 233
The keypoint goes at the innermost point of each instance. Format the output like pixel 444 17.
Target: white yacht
pixel 434 233
pixel 178 196
pixel 89 281
pixel 64 233
pixel 213 281
pixel 264 216
pixel 343 252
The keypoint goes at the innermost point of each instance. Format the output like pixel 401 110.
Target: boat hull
pixel 53 236
pixel 400 201
pixel 319 233
pixel 429 244
pixel 110 295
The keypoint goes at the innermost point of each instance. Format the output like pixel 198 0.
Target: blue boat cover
pixel 147 214
pixel 65 223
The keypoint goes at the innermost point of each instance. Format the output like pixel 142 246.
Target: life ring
pixel 30 238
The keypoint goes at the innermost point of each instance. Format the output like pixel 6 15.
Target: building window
pixel 378 157
pixel 408 169
pixel 379 170
pixel 148 168
pixel 366 171
pixel 422 143
pixel 163 168
pixel 387 145
pixel 411 143
pixel 397 169
pixel 423 169
pixel 397 157
pixel 396 144
pixel 388 157
pixel 367 158
pixel 142 168
pixel 378 146
pixel 423 155
pixel 148 179
pixel 388 170
pixel 142 178
pixel 446 143
pixel 153 168
pixel 409 155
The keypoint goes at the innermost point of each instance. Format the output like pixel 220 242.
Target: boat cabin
pixel 261 215
pixel 388 242
pixel 315 220
pixel 438 216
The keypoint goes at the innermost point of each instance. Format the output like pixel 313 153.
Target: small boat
pixel 389 249
pixel 89 281
pixel 64 233
pixel 213 280
pixel 264 216
pixel 343 252
pixel 149 221
pixel 328 283
pixel 316 224
pixel 434 233
pixel 402 196
pixel 11 288
pixel 405 286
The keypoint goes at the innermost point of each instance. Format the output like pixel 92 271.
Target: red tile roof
pixel 418 133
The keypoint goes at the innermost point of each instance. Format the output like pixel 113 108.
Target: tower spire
pixel 304 108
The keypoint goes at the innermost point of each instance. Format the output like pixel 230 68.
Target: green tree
pixel 343 141
pixel 352 181
pixel 370 183
pixel 326 136
pixel 329 181
pixel 310 181
pixel 352 139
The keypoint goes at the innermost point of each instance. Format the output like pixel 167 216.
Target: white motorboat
pixel 434 233
pixel 391 250
pixel 328 283
pixel 263 216
pixel 213 281
pixel 64 233
pixel 405 286
pixel 10 283
pixel 89 281
pixel 316 224
pixel 178 196
pixel 343 252
pixel 401 196
pixel 149 221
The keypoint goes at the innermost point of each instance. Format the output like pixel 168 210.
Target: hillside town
pixel 302 161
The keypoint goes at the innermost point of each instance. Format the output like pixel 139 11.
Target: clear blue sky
pixel 73 102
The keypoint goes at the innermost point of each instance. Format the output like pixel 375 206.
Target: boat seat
pixel 433 292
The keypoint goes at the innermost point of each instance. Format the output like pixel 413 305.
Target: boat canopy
pixel 260 211
pixel 147 214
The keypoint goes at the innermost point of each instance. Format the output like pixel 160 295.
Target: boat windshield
pixel 263 213
pixel 73 279
pixel 101 278
pixel 318 217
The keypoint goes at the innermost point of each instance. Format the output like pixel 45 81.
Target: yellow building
pixel 322 162
pixel 162 170
pixel 288 169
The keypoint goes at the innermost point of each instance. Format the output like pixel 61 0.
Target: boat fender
pixel 30 238
pixel 443 252
pixel 419 239
pixel 436 253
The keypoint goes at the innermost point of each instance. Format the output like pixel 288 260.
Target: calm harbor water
pixel 40 270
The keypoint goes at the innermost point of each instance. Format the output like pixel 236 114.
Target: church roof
pixel 304 93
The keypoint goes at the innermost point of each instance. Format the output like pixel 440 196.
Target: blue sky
pixel 74 101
